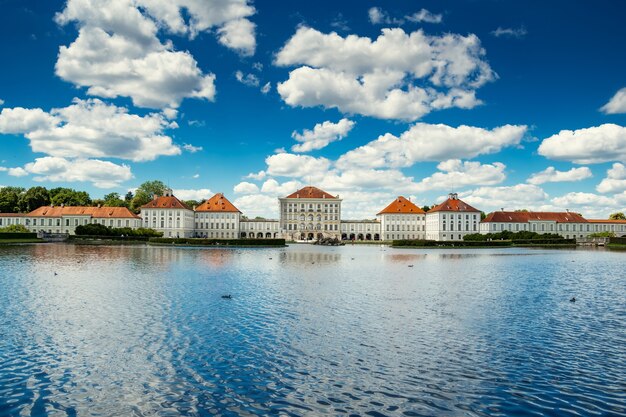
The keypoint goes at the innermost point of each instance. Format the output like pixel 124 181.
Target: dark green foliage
pixel 144 194
pixel 507 235
pixel 15 228
pixel 34 198
pixel 455 243
pixel 617 216
pixel 102 230
pixel 219 242
pixel 17 235
pixel 114 200
pixel 618 240
pixel 10 198
pixel 69 197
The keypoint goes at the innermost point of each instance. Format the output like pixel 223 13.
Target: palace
pixel 310 214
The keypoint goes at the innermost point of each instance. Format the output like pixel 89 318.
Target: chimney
pixel 98 205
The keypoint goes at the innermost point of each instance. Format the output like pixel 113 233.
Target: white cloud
pixel 518 33
pixel 117 51
pixel 91 128
pixel 424 16
pixel 257 205
pixel 615 180
pixel 617 104
pixel 193 194
pixel 1 102
pixel 245 187
pixel 273 187
pixel 520 196
pixel 580 199
pixel 378 16
pixel 195 176
pixel 426 142
pixel 321 135
pixel 550 174
pixel 291 165
pixel 456 174
pixel 239 35
pixel 604 143
pixel 250 80
pixel 257 176
pixel 196 123
pixel 103 174
pixel 266 88
pixel 397 76
pixel 192 149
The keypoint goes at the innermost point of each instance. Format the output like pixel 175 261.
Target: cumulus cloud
pixel 427 142
pixel 378 16
pixel 192 149
pixel 266 88
pixel 604 143
pixel 292 165
pixel 615 180
pixel 580 199
pixel 397 76
pixel 91 128
pixel 520 196
pixel 257 176
pixel 321 135
pixel 254 205
pixel 617 104
pixel 118 53
pixel 200 194
pixel 245 187
pixel 250 80
pixel 518 33
pixel 455 174
pixel 102 174
pixel 550 174
pixel 1 102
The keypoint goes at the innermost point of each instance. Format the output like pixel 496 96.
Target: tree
pixel 15 228
pixel 9 199
pixel 192 203
pixel 128 197
pixel 114 200
pixel 426 208
pixel 69 197
pixel 144 193
pixel 617 216
pixel 34 198
pixel 482 215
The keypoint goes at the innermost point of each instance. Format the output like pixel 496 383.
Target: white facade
pixel 259 228
pixel 217 225
pixel 452 220
pixel 398 226
pixel 360 230
pixel 310 213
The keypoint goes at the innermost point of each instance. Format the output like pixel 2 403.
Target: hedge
pixel 618 240
pixel 108 237
pixel 18 235
pixel 544 242
pixel 218 242
pixel 450 243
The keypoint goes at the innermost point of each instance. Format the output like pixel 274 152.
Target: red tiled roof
pixel 526 216
pixel 166 201
pixel 453 204
pixel 96 212
pixel 403 206
pixel 13 214
pixel 218 203
pixel 606 221
pixel 310 192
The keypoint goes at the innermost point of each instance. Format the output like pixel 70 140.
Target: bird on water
pixel 228 296
pixel 572 300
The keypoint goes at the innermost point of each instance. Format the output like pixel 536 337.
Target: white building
pixel 217 218
pixel 65 219
pixel 310 213
pixel 259 228
pixel 567 224
pixel 169 215
pixel 360 230
pixel 402 220
pixel 451 220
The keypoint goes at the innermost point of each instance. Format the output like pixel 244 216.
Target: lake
pixel 354 330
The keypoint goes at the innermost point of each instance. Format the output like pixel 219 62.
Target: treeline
pixel 22 200
pixel 507 235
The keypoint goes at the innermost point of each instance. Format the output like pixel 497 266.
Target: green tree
pixel 128 198
pixel 114 200
pixel 145 192
pixel 483 215
pixel 34 198
pixel 617 216
pixel 15 228
pixel 69 197
pixel 9 199
pixel 426 208
pixel 192 203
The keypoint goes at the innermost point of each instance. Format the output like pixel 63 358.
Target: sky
pixel 512 105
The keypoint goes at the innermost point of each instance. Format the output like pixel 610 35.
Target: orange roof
pixel 218 203
pixel 310 192
pixel 526 216
pixel 13 214
pixel 403 206
pixel 607 221
pixel 453 204
pixel 96 212
pixel 166 201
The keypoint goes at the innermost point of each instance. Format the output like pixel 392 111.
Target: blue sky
pixel 510 104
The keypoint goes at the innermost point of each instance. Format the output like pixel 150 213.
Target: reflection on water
pixel 114 330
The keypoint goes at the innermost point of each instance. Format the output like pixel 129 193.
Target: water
pixel 311 330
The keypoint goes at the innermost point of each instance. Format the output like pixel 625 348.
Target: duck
pixel 572 300
pixel 410 266
pixel 227 296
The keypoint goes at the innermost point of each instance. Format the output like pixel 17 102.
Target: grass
pixel 15 241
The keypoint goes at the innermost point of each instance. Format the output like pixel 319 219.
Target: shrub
pixel 15 228
pixel 95 229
